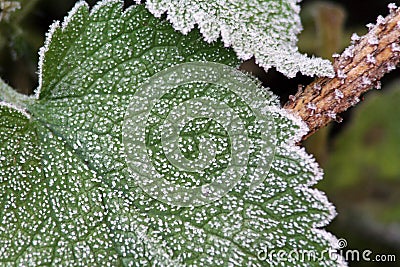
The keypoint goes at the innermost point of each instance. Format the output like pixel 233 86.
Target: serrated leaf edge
pixel 56 25
pixel 318 174
pixel 310 66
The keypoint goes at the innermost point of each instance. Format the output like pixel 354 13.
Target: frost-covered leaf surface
pixel 266 30
pixel 67 198
pixel 51 210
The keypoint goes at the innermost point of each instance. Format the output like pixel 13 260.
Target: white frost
pixel 126 208
pixel 20 110
pixel 380 20
pixel 371 59
pixel 72 12
pixel 266 30
pixel 355 37
pixel 338 94
pixel 392 7
pixel 42 53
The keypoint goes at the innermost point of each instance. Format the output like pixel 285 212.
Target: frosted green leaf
pixel 266 30
pixel 67 198
pixel 51 210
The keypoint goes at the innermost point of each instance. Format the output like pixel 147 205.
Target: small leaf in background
pixel 266 30
pixel 68 196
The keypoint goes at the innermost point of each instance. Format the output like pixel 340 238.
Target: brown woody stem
pixel 358 69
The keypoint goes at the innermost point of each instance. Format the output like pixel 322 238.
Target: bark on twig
pixel 358 69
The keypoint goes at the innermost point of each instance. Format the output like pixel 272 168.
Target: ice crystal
pixel 331 114
pixel 373 40
pixel 317 86
pixel 395 47
pixel 371 59
pixel 266 30
pixel 338 94
pixel 67 196
pixel 341 74
pixel 311 106
pixel 370 26
pixel 355 101
pixel 390 66
pixel 366 81
pixel 378 85
pixel 380 20
pixel 349 52
pixel 355 37
pixel 392 7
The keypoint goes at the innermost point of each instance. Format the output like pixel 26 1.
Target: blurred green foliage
pixel 369 147
pixel 362 176
pixel 19 42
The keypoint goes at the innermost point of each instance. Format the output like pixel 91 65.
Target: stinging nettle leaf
pixel 51 211
pixel 67 196
pixel 266 30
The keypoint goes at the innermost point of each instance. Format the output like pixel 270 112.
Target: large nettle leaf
pixel 266 30
pixel 67 197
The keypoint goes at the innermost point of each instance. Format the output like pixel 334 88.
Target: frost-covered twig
pixel 358 69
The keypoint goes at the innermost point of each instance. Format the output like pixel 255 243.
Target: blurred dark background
pixel 361 156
